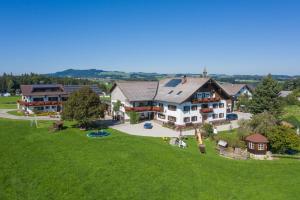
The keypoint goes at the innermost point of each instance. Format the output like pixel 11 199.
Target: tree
pixel 83 106
pixel 117 105
pixel 262 123
pixel 283 139
pixel 244 101
pixel 208 130
pixel 244 129
pixel 266 97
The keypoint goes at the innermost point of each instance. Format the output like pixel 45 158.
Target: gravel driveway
pixel 4 114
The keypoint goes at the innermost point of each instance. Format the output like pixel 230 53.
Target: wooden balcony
pixel 144 108
pixel 206 100
pixel 40 103
pixel 206 110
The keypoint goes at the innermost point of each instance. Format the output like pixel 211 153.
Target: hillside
pixel 102 74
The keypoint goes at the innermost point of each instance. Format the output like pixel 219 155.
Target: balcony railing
pixel 206 100
pixel 206 110
pixel 40 103
pixel 144 108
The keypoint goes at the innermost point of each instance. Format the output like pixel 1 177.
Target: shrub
pixel 208 130
pixel 283 139
pixel 134 117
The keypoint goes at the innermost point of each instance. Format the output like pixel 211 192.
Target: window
pixel 215 116
pixel 221 105
pixel 187 119
pixel 215 105
pixel 195 107
pixel 53 107
pixel 172 119
pixel 170 92
pixel 172 107
pixel 52 98
pixel 47 107
pixel 38 99
pixel 204 106
pixel 251 145
pixel 194 119
pixel 39 108
pixel 261 147
pixel 203 95
pixel 186 108
pixel 161 116
pixel 161 105
pixel 179 92
pixel 221 115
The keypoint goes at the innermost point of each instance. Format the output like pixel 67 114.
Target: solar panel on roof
pixel 173 83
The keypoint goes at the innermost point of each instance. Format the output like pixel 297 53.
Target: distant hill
pixel 118 75
pixel 102 74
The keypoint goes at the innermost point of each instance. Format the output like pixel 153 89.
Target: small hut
pixel 257 144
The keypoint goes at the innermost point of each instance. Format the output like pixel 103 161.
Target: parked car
pixel 231 116
pixel 148 125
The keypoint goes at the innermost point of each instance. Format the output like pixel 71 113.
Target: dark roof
pixel 72 88
pixel 257 138
pixel 42 89
pixel 54 89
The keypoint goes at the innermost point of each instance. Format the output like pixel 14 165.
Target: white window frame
pixel 251 145
pixel 261 147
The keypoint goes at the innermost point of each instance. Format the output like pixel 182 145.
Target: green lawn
pixel 292 114
pixel 36 164
pixel 292 110
pixel 9 102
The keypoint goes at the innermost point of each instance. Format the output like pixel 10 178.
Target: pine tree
pixel 266 97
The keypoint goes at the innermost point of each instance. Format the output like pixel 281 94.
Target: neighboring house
pixel 285 93
pixel 180 101
pixel 236 90
pixel 47 97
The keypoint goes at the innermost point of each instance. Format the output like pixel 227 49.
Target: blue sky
pixel 167 36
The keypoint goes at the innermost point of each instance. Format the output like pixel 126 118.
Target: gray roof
pixel 180 92
pixel 232 89
pixel 72 88
pixel 138 90
pixel 284 93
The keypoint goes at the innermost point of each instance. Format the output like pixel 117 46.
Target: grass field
pixel 292 110
pixel 292 115
pixel 9 102
pixel 36 164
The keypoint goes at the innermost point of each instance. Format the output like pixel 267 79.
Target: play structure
pixel 100 133
pixel 178 141
pixel 198 136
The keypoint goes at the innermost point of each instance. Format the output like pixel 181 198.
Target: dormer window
pixel 179 92
pixel 170 92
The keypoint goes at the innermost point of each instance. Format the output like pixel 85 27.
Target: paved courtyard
pixel 159 131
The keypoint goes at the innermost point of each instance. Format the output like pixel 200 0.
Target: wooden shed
pixel 257 144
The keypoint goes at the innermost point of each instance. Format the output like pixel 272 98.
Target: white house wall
pixel 180 114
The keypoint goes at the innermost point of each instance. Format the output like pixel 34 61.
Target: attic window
pixel 179 92
pixel 170 92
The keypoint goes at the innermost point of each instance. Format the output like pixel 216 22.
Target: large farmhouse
pixel 181 101
pixel 47 97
